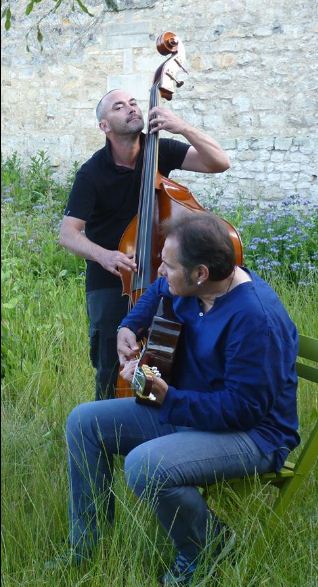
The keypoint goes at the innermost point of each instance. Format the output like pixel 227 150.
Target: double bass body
pixel 171 201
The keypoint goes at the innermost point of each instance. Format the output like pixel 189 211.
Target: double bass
pixel 160 197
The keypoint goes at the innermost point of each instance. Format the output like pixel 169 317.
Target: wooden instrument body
pixel 171 201
pixel 160 348
pixel 158 355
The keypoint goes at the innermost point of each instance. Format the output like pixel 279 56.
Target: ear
pixel 202 274
pixel 104 126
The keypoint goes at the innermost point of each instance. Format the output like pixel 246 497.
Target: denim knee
pixel 143 472
pixel 79 424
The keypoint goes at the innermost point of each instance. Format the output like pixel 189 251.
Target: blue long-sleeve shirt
pixel 235 365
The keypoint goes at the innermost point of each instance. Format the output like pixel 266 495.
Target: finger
pixel 127 355
pixel 156 126
pixel 127 266
pixel 124 374
pixel 133 364
pixel 128 261
pixel 157 121
pixel 134 350
pixel 154 111
pixel 122 360
pixel 129 368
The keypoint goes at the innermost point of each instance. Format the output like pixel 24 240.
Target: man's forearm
pixel 78 243
pixel 211 154
pixel 205 154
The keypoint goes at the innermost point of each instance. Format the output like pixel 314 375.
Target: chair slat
pixel 307 372
pixel 308 347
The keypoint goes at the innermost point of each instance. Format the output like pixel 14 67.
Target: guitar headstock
pixel 172 71
pixel 142 382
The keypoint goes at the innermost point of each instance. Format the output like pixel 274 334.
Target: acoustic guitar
pixel 159 350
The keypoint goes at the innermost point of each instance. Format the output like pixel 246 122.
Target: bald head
pixel 101 106
pixel 119 114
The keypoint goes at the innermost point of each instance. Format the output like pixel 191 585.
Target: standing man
pixel 103 201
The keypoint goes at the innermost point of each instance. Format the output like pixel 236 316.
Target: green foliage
pixel 7 14
pixel 84 8
pixel 32 209
pixel 46 372
pixel 30 186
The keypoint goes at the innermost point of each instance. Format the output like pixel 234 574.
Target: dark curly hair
pixel 203 240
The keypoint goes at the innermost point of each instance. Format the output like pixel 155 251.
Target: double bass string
pixel 144 243
pixel 137 278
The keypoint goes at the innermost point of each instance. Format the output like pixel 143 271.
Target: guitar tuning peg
pixel 156 372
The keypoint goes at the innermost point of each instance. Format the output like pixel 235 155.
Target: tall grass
pixel 46 371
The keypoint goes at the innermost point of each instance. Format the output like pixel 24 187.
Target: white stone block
pixel 136 84
pixel 127 41
pixel 247 155
pixel 129 27
pixel 242 102
pixel 262 143
pixel 283 144
pixel 242 144
pixel 273 177
pixel 292 167
pixel 262 32
pixel 277 156
pixel 263 155
pixel 229 144
pixel 297 156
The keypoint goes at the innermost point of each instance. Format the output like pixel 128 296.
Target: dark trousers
pixel 106 308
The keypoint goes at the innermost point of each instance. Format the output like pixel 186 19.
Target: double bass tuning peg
pixel 178 83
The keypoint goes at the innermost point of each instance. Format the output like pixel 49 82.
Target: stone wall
pixel 251 84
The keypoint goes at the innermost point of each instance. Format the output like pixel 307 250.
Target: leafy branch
pixel 7 15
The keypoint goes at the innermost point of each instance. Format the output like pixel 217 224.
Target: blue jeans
pixel 106 308
pixel 164 464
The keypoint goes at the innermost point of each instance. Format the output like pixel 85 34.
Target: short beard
pixel 134 129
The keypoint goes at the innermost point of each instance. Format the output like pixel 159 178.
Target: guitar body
pixel 161 346
pixel 159 352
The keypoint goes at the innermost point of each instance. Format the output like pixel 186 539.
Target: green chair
pixel 292 475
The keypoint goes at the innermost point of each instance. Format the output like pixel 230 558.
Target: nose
pixel 161 270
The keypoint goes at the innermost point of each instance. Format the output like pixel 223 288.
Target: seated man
pixel 230 410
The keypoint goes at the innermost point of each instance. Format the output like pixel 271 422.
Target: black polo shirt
pixel 106 196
